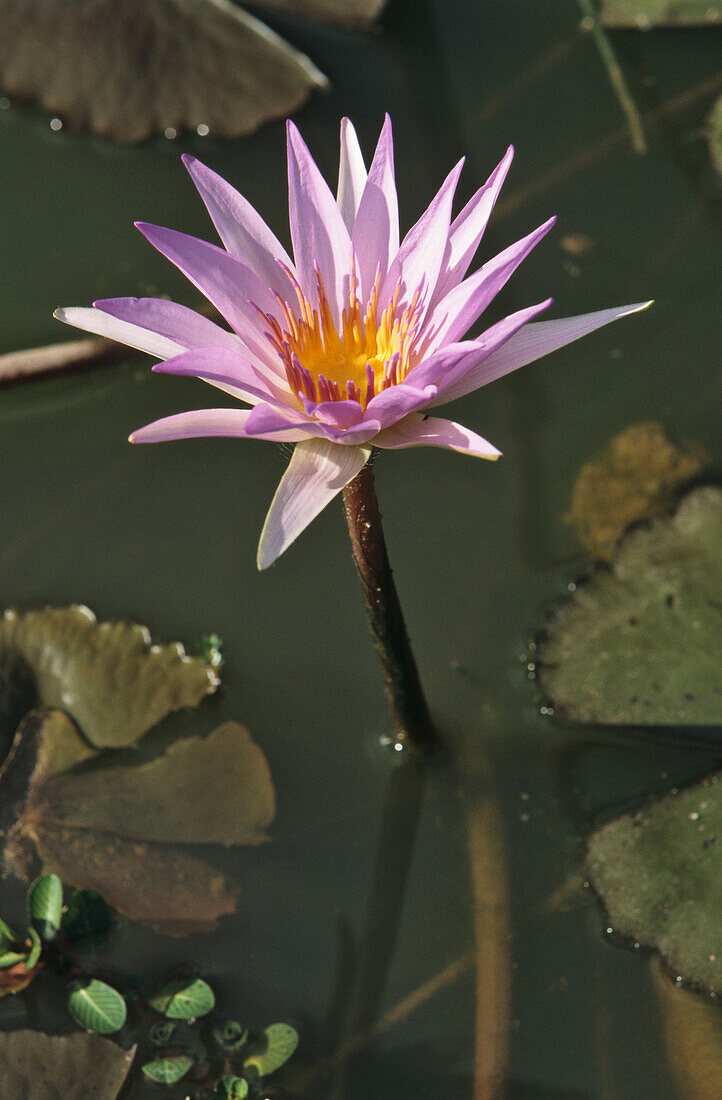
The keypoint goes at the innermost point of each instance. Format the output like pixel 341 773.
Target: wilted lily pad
pixel 636 477
pixel 644 14
pixel 108 675
pixel 641 643
pixel 120 830
pixel 129 68
pixel 60 1067
pixel 659 874
pixel 355 12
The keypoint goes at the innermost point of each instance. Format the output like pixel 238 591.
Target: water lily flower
pixel 351 344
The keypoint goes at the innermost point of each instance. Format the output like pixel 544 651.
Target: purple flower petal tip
pixel 350 343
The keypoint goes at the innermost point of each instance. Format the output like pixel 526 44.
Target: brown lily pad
pixel 213 790
pixel 131 68
pixel 636 477
pixel 35 1066
pixel 119 830
pixel 357 13
pixel 108 676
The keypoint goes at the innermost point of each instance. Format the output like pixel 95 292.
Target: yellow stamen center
pixel 365 357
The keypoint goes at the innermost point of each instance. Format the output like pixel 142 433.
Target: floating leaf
pixel 13 979
pixel 231 1088
pixel 107 675
pixel 45 906
pixel 184 999
pixel 641 643
pixel 154 883
pixel 61 1067
pixel 692 1028
pixel 230 1035
pixel 276 1046
pixel 36 948
pixel 644 14
pixel 166 1071
pixel 129 69
pixel 353 12
pixel 635 478
pixel 87 917
pixel 213 790
pixel 658 873
pixel 96 1006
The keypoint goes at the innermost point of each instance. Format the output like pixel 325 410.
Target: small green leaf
pixel 12 958
pixel 45 906
pixel 162 1033
pixel 96 1006
pixel 276 1046
pixel 35 950
pixel 166 1071
pixel 210 650
pixel 6 934
pixel 230 1035
pixel 184 999
pixel 87 916
pixel 231 1088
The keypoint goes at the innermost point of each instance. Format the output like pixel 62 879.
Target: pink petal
pixel 337 414
pixel 230 285
pixel 229 368
pixel 265 418
pixel 397 401
pixel 241 228
pixel 360 433
pixel 317 472
pixel 451 364
pixel 456 312
pixel 532 342
pixel 351 174
pixel 206 422
pixel 468 228
pixel 320 239
pixel 178 323
pixel 376 228
pixel 418 260
pixel 95 320
pixel 432 431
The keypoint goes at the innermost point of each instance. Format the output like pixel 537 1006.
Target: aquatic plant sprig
pixel 345 348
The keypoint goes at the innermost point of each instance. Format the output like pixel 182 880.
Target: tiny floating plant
pixel 347 349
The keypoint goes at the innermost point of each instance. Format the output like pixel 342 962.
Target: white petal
pixel 94 320
pixel 317 472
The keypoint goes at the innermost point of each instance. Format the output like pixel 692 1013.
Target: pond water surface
pixel 167 536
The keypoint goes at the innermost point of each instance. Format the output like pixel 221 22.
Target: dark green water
pixel 167 535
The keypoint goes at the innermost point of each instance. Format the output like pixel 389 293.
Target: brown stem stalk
pixel 409 711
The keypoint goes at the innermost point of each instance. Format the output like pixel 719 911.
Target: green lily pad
pixel 213 790
pixel 166 1071
pixel 108 676
pixel 640 643
pixel 644 14
pixel 96 1006
pixel 60 1067
pixel 275 1047
pixel 231 1088
pixel 659 874
pixel 160 66
pixel 184 999
pixel 45 906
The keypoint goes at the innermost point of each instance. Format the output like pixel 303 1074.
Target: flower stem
pixel 412 722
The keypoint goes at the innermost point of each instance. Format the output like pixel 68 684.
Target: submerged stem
pixel 412 721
